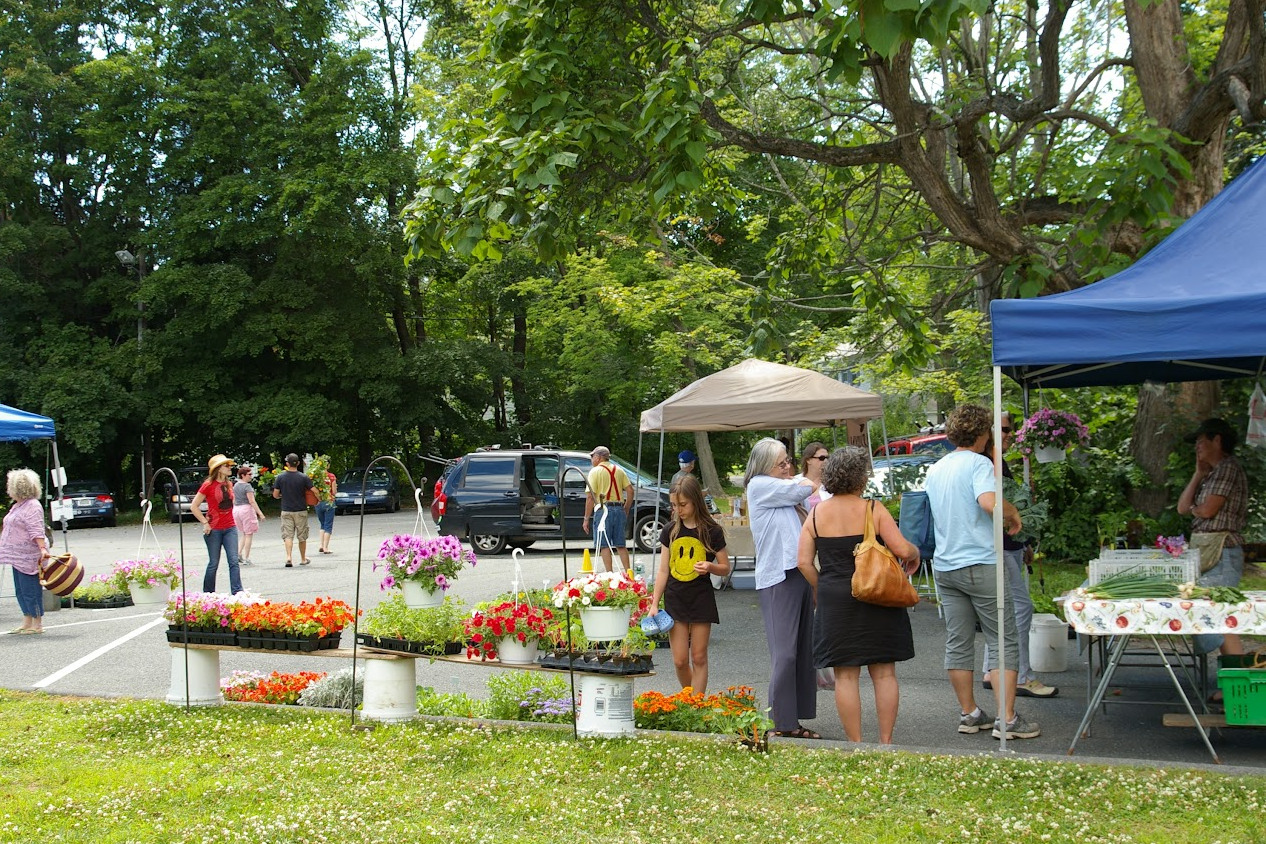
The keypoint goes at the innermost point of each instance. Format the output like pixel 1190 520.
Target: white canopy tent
pixel 758 395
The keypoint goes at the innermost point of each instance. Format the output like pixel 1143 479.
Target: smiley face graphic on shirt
pixel 684 553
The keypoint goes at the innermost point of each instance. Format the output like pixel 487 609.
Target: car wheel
pixel 395 506
pixel 646 532
pixel 487 543
pixel 175 520
pixel 111 522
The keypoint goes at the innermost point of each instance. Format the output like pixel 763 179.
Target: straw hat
pixel 216 462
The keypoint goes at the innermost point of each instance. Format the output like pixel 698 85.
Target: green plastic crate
pixel 1243 690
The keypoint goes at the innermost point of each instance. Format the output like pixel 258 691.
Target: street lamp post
pixel 137 263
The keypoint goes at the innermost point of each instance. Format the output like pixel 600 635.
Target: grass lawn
pixel 84 770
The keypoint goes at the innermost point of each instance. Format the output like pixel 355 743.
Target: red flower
pixel 1175 624
pixel 1122 621
pixel 1232 621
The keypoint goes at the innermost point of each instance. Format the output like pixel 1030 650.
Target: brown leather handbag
pixel 879 578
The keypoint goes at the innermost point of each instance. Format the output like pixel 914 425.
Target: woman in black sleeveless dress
pixel 849 633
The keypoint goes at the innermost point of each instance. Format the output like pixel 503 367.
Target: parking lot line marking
pixel 98 620
pixel 80 663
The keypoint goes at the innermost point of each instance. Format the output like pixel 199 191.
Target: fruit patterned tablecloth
pixel 1167 616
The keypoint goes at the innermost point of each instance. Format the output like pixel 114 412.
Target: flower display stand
pixel 148 595
pixel 415 597
pixel 391 690
pixel 390 678
pixel 606 706
pixel 203 671
pixel 605 624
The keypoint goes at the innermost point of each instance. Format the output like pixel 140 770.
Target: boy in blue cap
pixel 686 460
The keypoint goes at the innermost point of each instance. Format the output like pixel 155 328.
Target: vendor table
pixel 1154 619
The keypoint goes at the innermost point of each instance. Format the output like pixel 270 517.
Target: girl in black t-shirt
pixel 692 547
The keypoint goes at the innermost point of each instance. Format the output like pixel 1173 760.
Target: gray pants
pixel 1018 586
pixel 969 595
pixel 787 609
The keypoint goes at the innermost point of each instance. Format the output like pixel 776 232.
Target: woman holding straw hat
pixel 219 530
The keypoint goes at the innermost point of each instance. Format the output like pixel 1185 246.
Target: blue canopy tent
pixel 1192 309
pixel 22 426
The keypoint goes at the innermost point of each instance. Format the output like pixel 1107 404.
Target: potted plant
pixel 103 591
pixel 507 630
pixel 433 631
pixel 606 601
pixel 1049 434
pixel 202 617
pixel 423 568
pixel 149 581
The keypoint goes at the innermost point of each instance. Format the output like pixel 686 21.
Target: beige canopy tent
pixel 759 395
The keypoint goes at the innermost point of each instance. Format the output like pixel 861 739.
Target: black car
pixel 90 502
pixel 179 500
pixel 509 497
pixel 381 493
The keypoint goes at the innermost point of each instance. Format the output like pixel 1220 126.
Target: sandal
pixel 800 732
pixel 305 562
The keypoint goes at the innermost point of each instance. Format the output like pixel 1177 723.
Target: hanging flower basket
pixel 1048 434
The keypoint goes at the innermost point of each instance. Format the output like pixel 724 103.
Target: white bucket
pixel 606 706
pixel 391 690
pixel 1048 643
pixel 204 677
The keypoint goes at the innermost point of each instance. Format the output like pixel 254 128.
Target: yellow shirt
pixel 600 478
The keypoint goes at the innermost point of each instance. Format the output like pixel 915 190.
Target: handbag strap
pixel 868 532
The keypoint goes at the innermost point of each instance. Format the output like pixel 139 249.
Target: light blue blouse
pixel 771 508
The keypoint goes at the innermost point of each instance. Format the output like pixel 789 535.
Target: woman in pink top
pixel 22 545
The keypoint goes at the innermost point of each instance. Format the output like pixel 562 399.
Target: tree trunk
pixel 707 465
pixel 1163 419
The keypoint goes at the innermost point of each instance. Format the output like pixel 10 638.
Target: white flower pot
pixel 1050 454
pixel 148 595
pixel 415 597
pixel 512 652
pixel 603 624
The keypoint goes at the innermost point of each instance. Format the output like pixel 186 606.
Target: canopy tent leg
pixel 1000 683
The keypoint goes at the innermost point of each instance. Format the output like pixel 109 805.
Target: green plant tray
pixel 1243 692
pixel 107 604
pixel 202 637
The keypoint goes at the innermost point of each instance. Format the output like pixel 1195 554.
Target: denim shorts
pixel 610 526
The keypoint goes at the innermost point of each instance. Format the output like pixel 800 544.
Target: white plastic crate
pixel 1151 561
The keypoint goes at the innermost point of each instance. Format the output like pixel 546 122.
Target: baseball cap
pixel 686 456
pixel 600 451
pixel 1212 427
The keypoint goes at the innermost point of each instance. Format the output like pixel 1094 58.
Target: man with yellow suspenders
pixel 608 500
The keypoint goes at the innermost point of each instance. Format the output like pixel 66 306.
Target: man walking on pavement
pixel 291 487
pixel 608 498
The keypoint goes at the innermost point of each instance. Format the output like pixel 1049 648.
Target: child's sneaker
pixel 973 723
pixel 1019 728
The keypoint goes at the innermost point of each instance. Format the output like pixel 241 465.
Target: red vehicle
pixel 934 444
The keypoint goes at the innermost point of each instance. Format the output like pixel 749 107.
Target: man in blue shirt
pixel 961 492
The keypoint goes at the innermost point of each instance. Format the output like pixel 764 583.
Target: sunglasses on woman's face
pixel 820 457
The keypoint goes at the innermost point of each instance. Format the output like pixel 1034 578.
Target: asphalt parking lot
pixel 124 652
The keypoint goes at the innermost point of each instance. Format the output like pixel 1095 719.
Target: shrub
pixel 520 696
pixel 334 691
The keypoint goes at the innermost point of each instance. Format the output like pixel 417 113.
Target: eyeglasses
pixel 1006 430
pixel 783 462
pixel 821 457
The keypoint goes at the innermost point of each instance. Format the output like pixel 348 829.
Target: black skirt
pixel 847 631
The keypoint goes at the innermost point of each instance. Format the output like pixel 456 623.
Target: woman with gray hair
pixel 774 505
pixel 22 546
pixel 849 633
